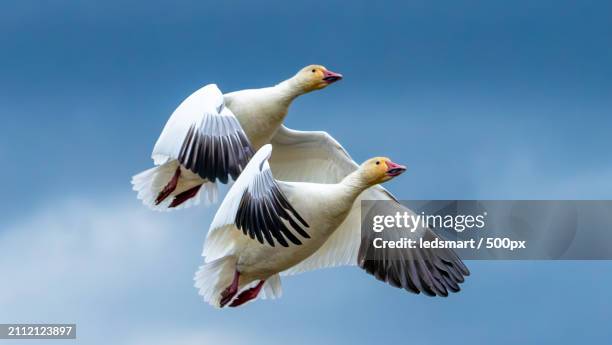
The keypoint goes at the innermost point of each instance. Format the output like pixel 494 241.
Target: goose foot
pixel 184 196
pixel 169 188
pixel 247 295
pixel 230 291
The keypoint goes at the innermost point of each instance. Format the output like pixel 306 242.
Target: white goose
pixel 265 227
pixel 315 156
pixel 212 136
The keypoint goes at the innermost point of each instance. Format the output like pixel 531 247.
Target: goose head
pixel 379 169
pixel 315 77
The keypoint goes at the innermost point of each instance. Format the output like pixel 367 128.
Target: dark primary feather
pixel 262 209
pixel 433 271
pixel 219 151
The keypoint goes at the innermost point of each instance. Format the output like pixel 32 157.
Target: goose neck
pixel 288 90
pixel 354 183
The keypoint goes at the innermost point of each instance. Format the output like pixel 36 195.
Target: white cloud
pixel 100 263
pixel 77 239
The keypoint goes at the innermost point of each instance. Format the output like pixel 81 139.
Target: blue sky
pixel 480 99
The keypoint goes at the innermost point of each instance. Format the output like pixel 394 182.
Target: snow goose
pixel 316 157
pixel 265 226
pixel 211 136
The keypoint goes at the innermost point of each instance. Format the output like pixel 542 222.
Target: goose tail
pixel 214 277
pixel 169 186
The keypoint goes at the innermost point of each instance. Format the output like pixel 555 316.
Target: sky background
pixel 480 99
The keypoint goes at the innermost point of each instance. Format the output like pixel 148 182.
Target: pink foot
pixel 184 196
pixel 169 188
pixel 247 295
pixel 230 291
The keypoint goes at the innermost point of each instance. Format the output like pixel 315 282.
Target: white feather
pixel 272 288
pixel 214 277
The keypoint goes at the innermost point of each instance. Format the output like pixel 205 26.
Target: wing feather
pixel 257 207
pixel 205 137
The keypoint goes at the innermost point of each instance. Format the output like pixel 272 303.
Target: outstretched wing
pixel 317 157
pixel 303 156
pixel 257 206
pixel 205 137
pixel 433 271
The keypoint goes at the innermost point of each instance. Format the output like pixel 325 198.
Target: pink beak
pixel 331 77
pixel 394 169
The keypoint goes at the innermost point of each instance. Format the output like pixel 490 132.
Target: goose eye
pixel 377 162
pixel 313 71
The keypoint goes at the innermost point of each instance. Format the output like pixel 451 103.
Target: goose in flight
pixel 211 136
pixel 266 227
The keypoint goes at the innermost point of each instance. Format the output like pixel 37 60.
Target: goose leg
pixel 169 188
pixel 230 291
pixel 248 295
pixel 184 196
